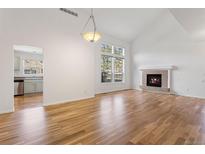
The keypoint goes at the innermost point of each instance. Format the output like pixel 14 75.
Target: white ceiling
pixel 192 20
pixel 124 24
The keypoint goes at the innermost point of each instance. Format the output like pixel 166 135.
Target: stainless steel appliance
pixel 18 87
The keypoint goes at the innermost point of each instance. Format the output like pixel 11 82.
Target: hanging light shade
pixel 91 36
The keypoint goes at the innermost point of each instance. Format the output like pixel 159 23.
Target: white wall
pixel 6 80
pixel 69 61
pixel 6 76
pixel 109 87
pixel 165 42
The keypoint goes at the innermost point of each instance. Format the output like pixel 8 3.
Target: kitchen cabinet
pixel 39 86
pixel 33 86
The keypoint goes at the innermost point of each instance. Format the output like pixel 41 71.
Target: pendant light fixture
pixel 91 36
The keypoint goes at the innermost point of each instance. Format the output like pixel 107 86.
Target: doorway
pixel 28 77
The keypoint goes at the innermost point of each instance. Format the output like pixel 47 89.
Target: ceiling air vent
pixel 69 12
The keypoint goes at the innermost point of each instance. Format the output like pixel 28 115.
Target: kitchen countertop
pixel 29 78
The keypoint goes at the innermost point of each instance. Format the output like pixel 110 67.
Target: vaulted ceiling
pixel 124 24
pixel 127 24
pixel 192 20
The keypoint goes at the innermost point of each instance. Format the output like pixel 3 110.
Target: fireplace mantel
pixel 167 67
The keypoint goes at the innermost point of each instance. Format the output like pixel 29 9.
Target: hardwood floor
pixel 125 117
pixel 28 101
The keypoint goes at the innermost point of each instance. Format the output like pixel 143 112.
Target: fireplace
pixel 154 80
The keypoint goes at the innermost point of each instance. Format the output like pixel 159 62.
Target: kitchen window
pixel 112 63
pixel 33 66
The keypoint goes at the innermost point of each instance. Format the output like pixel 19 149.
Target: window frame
pixel 23 68
pixel 101 60
pixel 113 56
pixel 123 70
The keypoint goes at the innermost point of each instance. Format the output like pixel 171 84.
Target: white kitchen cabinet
pixel 29 86
pixel 33 86
pixel 39 85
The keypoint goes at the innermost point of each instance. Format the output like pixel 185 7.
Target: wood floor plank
pixel 124 117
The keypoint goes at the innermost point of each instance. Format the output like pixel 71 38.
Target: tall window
pixel 33 66
pixel 112 63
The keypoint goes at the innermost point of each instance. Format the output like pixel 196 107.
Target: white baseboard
pixel 109 91
pixel 67 101
pixel 174 93
pixel 193 96
pixel 7 111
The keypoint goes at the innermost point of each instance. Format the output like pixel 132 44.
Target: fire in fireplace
pixel 154 80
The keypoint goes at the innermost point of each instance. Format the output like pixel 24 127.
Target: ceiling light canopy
pixel 91 36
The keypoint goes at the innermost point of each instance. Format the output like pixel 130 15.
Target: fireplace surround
pixel 155 78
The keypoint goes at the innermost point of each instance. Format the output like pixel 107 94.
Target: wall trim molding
pixel 7 111
pixel 67 101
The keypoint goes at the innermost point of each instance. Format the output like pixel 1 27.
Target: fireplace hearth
pixel 154 80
